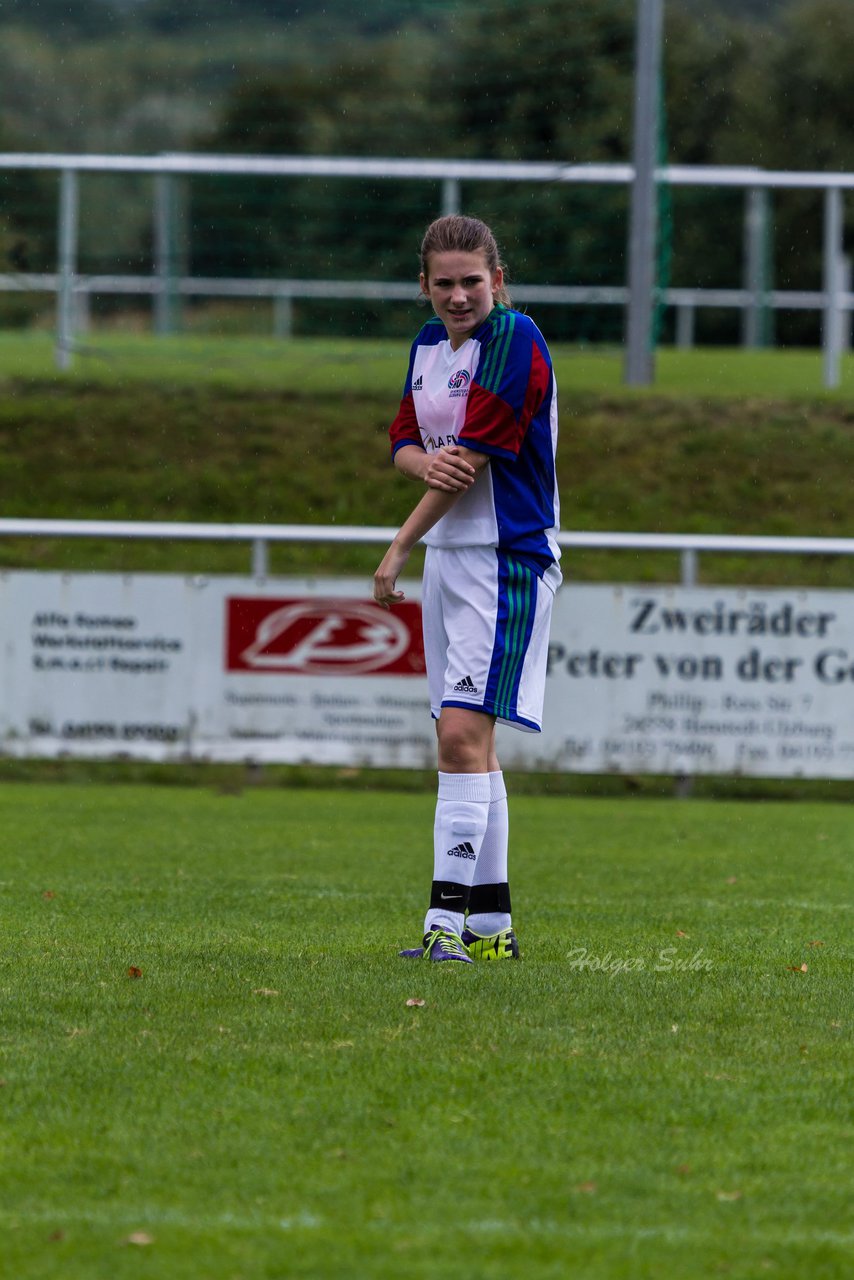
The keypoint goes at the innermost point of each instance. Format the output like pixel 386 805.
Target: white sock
pixel 462 813
pixel 491 866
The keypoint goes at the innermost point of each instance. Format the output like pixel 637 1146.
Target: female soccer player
pixel 477 427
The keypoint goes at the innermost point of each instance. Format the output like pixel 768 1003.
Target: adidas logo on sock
pixel 464 850
pixel 466 685
pixel 418 383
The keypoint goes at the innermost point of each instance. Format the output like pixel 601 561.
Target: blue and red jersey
pixel 495 394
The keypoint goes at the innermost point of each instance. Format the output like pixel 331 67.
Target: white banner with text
pixel 641 679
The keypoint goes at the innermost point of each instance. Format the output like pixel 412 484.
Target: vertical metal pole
pixel 451 197
pixel 164 254
pixel 82 311
pixel 640 362
pixel 832 326
pixel 283 315
pixel 684 325
pixel 260 558
pixel 755 283
pixel 69 205
pixel 845 341
pixel 683 783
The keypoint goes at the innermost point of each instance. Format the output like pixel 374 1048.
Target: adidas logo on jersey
pixel 466 685
pixel 464 850
pixel 418 384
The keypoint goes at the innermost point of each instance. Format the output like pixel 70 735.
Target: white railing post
pixel 685 313
pixel 283 315
pixel 69 205
pixel 169 251
pixel 833 253
pixel 755 262
pixel 451 196
pixel 260 558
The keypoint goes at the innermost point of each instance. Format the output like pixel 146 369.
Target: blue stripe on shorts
pixel 517 602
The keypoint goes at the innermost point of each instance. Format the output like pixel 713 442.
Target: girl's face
pixel 462 290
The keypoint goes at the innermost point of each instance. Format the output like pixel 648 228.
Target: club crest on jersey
pixel 458 382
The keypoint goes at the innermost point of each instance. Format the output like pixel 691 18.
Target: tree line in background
pixel 760 82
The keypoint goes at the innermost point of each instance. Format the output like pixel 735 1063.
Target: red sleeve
pixel 497 423
pixel 404 429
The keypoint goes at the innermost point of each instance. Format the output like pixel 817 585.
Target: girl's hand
pixel 385 578
pixel 448 471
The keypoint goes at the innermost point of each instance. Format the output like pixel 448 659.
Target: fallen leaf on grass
pixel 134 971
pixel 728 1195
pixel 797 968
pixel 265 991
pixel 139 1238
pixel 683 1170
pixel 815 944
pixel 414 1002
pixel 732 879
pixel 587 1188
pixel 48 893
pixel 54 1236
pixel 680 933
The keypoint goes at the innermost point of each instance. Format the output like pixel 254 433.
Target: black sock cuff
pixel 449 896
pixel 489 897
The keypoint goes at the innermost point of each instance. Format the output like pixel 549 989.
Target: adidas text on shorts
pixel 486 619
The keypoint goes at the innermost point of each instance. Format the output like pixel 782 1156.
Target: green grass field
pixel 660 1088
pixel 376 366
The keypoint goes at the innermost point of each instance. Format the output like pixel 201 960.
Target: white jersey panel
pixel 441 378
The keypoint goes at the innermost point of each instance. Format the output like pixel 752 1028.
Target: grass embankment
pixel 211 1066
pixel 294 432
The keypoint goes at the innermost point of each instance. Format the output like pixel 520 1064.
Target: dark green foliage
pixel 64 20
pixel 543 82
pixel 189 15
pixel 747 83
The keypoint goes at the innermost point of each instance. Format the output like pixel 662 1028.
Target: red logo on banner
pixel 329 636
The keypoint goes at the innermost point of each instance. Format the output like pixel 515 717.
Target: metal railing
pixel 689 546
pixel 834 300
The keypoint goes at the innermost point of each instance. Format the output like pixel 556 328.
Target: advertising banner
pixel 702 680
pixel 641 679
pixel 164 667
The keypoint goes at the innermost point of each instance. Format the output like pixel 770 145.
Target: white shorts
pixel 486 619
